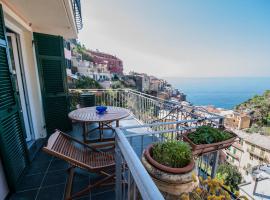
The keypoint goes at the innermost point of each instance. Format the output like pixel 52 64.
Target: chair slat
pixel 64 148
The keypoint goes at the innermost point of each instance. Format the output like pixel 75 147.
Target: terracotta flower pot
pixel 148 156
pixel 172 182
pixel 199 149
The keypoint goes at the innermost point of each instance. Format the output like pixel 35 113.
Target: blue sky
pixel 184 38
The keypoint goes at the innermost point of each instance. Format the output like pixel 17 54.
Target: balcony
pixel 258 155
pixel 76 5
pixel 238 146
pixel 232 155
pixel 152 120
pixel 50 16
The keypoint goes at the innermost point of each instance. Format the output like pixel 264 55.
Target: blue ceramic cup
pixel 101 109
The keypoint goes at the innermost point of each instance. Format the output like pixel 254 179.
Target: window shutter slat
pixel 12 143
pixel 53 81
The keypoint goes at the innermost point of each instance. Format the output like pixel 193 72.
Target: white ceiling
pixel 48 16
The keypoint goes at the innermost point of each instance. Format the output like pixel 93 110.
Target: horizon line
pixel 214 76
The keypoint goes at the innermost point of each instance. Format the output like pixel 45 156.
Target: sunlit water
pixel 220 92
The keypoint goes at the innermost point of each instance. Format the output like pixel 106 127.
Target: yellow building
pixel 237 120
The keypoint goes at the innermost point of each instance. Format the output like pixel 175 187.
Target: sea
pixel 220 92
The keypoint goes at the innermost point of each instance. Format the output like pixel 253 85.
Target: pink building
pixel 114 64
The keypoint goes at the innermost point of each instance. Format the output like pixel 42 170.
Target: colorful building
pixel 114 64
pixel 249 151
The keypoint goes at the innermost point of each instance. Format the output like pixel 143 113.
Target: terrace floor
pixel 46 177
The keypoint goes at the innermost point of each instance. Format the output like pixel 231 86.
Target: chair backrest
pixel 63 148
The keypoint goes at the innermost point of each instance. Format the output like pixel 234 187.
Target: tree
pixel 86 56
pixel 260 110
pixel 117 85
pixel 87 83
pixel 83 51
pixel 230 175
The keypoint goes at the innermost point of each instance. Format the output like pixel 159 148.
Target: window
pixel 234 150
pixel 68 63
pixel 262 152
pixel 241 142
pixel 252 148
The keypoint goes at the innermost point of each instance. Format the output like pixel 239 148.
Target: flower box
pixel 199 149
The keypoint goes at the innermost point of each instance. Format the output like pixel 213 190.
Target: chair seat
pixel 94 159
pixel 80 156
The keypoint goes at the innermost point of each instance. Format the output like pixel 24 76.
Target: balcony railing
pixel 137 182
pixel 146 108
pixel 76 5
pixel 238 146
pixel 160 120
pixel 260 155
pixel 232 154
pixel 129 149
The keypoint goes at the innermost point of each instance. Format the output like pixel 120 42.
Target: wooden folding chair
pixel 81 155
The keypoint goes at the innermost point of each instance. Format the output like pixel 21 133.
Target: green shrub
pixel 174 154
pixel 87 83
pixel 230 175
pixel 208 135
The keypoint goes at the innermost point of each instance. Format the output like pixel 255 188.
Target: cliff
pixel 259 109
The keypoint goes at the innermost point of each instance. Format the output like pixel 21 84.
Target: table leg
pixel 100 124
pixel 84 131
pixel 102 127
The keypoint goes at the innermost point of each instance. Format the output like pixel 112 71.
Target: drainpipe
pixel 255 186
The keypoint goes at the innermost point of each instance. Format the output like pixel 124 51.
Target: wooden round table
pixel 89 115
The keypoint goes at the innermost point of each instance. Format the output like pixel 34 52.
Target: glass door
pixel 20 85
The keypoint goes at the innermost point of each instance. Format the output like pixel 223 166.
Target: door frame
pixel 20 31
pixel 23 94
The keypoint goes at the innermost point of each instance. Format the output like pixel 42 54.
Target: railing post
pixel 215 164
pixel 118 171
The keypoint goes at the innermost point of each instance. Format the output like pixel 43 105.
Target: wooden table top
pixel 89 114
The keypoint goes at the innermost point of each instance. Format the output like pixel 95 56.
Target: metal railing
pixel 146 108
pixel 161 120
pixel 132 179
pixel 76 6
pixel 130 144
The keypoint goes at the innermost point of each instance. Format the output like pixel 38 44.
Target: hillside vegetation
pixel 259 108
pixel 81 49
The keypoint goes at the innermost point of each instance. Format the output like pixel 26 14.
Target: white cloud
pixel 149 41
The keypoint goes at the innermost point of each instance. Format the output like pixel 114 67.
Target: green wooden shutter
pixel 53 81
pixel 12 143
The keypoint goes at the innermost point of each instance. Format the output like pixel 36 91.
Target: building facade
pixel 237 120
pixel 249 151
pixel 33 80
pixel 114 64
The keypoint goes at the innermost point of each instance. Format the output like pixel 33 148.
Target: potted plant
pixel 171 166
pixel 206 139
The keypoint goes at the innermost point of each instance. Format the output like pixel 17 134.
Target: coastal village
pixel 108 71
pixel 251 151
